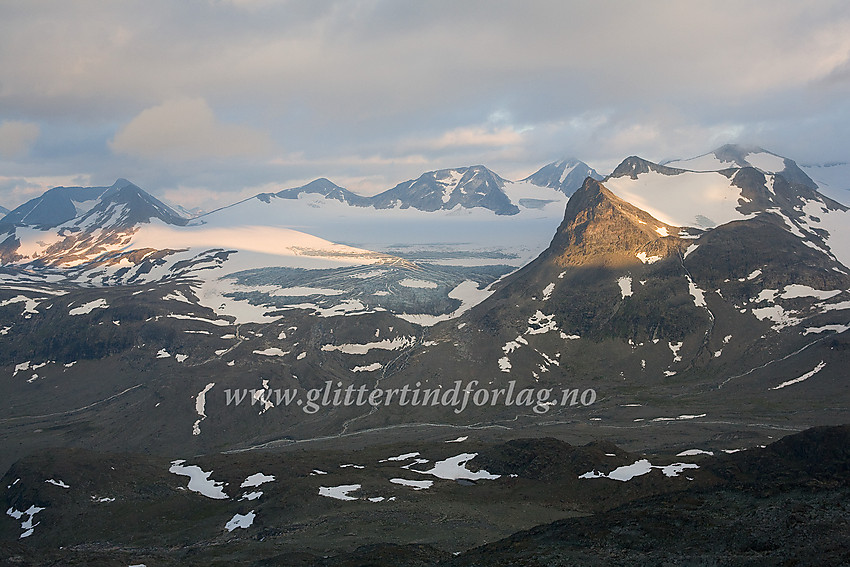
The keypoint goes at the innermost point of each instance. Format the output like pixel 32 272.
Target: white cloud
pixel 473 136
pixel 187 129
pixel 380 90
pixel 17 138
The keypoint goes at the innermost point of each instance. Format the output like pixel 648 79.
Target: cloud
pixel 381 89
pixel 472 137
pixel 17 190
pixel 187 129
pixel 17 138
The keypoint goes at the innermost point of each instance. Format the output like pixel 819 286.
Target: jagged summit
pixel 444 189
pixel 633 166
pixel 566 175
pixel 600 228
pixel 61 205
pixel 326 188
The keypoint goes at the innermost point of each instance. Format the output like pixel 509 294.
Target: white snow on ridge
pixel 687 199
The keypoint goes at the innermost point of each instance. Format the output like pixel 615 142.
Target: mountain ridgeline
pixel 430 371
pixel 722 290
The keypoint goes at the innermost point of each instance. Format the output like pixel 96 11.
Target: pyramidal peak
pixel 566 175
pixel 601 228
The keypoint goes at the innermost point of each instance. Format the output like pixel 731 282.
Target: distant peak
pixel 633 166
pixel 739 148
pixel 120 183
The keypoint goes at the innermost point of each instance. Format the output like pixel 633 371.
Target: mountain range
pixel 701 302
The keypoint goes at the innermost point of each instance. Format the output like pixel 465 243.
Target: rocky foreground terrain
pixel 457 502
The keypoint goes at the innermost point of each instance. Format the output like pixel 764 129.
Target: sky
pixel 205 102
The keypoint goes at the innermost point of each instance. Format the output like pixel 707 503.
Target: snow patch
pixel 639 468
pixel 88 307
pixel 339 492
pixel 200 403
pixel 414 484
pixel 240 521
pixel 454 468
pixel 652 259
pixel 625 284
pixel 271 351
pixel 805 376
pixel 199 481
pixel 368 368
pixel 257 479
pixel 360 349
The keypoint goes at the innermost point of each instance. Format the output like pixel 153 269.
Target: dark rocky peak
pixel 633 166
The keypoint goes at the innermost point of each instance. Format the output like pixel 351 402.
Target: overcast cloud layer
pixel 204 102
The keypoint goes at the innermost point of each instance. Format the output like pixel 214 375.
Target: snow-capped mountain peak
pixel 566 175
pixel 737 156
pixel 322 187
pixel 445 189
pixel 77 205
